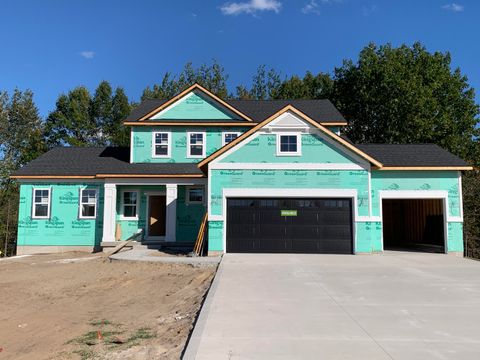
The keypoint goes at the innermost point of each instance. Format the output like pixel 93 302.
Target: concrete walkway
pixel 155 256
pixel 391 306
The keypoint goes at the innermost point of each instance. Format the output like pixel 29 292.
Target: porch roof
pixel 100 162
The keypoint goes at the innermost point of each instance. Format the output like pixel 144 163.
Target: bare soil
pixel 81 306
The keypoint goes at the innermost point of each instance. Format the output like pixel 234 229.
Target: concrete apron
pixel 392 306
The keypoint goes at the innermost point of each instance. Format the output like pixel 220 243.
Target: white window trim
pixel 229 132
pixel 122 217
pixel 80 203
pixel 187 197
pixel 169 145
pixel 204 134
pixel 49 189
pixel 299 144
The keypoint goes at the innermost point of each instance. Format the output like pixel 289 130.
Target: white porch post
pixel 109 211
pixel 171 218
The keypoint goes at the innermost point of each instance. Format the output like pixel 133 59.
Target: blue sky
pixel 52 46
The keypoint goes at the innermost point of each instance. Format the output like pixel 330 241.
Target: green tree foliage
pixel 20 131
pixel 265 84
pixel 311 86
pixel 212 77
pixel 407 95
pixel 81 119
pixel 20 142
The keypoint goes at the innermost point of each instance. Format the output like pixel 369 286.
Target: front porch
pixel 158 213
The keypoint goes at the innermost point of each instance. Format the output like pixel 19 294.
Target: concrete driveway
pixel 392 306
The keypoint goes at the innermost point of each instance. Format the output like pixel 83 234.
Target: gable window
pixel 88 203
pixel 196 145
pixel 228 137
pixel 288 144
pixel 130 204
pixel 195 195
pixel 161 144
pixel 41 203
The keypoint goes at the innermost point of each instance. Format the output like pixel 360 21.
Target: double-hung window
pixel 41 203
pixel 88 203
pixel 130 204
pixel 196 144
pixel 229 137
pixel 161 144
pixel 288 144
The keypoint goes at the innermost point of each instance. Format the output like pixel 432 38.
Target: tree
pixel 265 84
pixel 20 131
pixel 318 86
pixel 407 95
pixel 212 77
pixel 20 142
pixel 82 120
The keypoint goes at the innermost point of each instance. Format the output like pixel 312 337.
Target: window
pixel 41 204
pixel 196 145
pixel 130 204
pixel 288 144
pixel 229 137
pixel 88 203
pixel 195 195
pixel 161 144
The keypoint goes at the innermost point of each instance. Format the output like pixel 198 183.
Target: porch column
pixel 171 218
pixel 109 211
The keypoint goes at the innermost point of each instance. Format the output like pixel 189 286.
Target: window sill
pixel 128 218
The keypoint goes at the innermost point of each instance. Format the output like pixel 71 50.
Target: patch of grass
pixel 142 334
pixel 90 337
pixel 103 322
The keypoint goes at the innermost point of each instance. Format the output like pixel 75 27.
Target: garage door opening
pixel 272 225
pixel 413 224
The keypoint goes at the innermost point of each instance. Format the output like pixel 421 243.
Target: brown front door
pixel 156 215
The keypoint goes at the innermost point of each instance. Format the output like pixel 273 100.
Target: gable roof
pixel 408 156
pixel 99 162
pixel 292 109
pixel 188 90
pixel 250 111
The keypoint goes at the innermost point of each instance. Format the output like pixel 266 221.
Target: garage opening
pixel 413 224
pixel 294 225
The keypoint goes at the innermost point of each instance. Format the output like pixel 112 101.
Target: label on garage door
pixel 288 212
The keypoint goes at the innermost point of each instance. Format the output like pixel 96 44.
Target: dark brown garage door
pixel 289 226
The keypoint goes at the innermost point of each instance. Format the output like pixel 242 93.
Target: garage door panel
pixel 307 225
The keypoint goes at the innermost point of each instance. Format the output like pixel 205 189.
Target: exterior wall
pixel 263 148
pixel 64 228
pixel 447 181
pixel 285 179
pixel 189 216
pixel 142 142
pixel 131 227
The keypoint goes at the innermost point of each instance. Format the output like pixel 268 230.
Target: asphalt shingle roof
pixel 321 111
pixel 405 155
pixel 90 161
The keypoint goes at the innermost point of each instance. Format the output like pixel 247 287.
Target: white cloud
pixel 250 7
pixel 311 8
pixel 453 7
pixel 87 54
pixel 369 10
